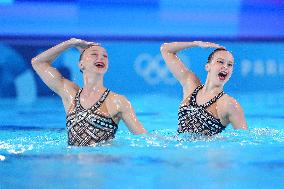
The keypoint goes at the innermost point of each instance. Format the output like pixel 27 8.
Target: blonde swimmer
pixel 92 112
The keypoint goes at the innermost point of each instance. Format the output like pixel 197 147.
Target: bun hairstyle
pixel 212 53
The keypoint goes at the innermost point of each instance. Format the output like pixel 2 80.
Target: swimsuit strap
pixel 192 99
pixel 207 104
pixel 213 100
pixel 77 99
pixel 97 104
pixel 101 100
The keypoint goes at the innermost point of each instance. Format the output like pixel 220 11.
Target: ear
pixel 207 67
pixel 81 67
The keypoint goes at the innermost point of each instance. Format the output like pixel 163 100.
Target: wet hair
pixel 210 57
pixel 81 55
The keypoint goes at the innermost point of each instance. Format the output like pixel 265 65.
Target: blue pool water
pixel 34 152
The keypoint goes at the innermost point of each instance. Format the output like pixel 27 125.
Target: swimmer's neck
pixel 210 87
pixel 93 82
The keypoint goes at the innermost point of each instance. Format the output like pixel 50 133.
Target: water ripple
pixel 18 142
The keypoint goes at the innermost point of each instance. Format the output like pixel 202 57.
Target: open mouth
pixel 222 76
pixel 99 64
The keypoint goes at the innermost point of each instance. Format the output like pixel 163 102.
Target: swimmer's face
pixel 94 59
pixel 220 68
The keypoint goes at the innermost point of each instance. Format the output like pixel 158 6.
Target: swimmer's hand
pixel 81 44
pixel 208 44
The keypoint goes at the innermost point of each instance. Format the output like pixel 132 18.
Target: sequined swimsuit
pixel 196 119
pixel 88 126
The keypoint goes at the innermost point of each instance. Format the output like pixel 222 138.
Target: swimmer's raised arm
pixel 50 76
pixel 185 76
pixel 129 117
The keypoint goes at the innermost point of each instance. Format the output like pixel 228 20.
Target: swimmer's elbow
pixel 168 49
pixel 164 48
pixel 39 65
pixel 35 65
pixel 33 61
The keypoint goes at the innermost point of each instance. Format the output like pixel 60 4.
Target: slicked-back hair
pixel 210 57
pixel 81 55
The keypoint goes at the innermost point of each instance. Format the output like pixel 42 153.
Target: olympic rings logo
pixel 153 69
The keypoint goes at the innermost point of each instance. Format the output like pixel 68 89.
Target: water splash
pixel 20 142
pixel 2 158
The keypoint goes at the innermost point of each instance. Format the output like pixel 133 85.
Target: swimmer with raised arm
pixel 93 112
pixel 205 109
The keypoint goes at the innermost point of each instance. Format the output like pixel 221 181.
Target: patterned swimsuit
pixel 87 126
pixel 195 118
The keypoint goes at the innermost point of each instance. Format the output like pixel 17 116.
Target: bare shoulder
pixel 119 100
pixel 118 104
pixel 232 111
pixel 229 104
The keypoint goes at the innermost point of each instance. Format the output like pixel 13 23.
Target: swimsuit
pixel 195 118
pixel 88 126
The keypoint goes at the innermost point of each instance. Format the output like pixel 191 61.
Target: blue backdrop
pixel 137 67
pixel 132 32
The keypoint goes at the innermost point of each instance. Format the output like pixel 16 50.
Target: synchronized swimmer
pixel 205 109
pixel 93 112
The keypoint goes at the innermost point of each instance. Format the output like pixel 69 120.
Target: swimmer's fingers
pixel 212 45
pixel 77 42
pixel 208 44
pixel 81 47
pixel 217 46
pixel 81 44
